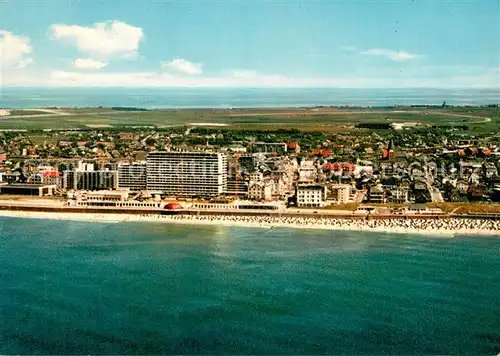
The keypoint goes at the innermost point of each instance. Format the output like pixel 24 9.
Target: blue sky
pixel 338 43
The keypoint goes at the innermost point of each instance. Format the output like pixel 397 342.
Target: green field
pixel 480 119
pixel 25 112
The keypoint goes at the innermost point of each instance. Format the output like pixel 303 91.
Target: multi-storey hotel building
pixel 311 195
pixel 132 176
pixel 187 173
pixel 90 180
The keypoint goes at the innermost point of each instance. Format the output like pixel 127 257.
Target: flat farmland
pixel 260 119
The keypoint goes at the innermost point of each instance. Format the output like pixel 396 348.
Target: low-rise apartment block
pixel 311 195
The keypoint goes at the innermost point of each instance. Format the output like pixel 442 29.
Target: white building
pixel 341 193
pixel 132 176
pixel 113 204
pixel 377 194
pixel 307 172
pixel 106 195
pixel 365 169
pixel 187 173
pixel 256 177
pixel 266 147
pixel 86 167
pixel 261 191
pixel 311 195
pixel 400 195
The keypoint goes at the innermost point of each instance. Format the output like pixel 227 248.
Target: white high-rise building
pixel 132 176
pixel 187 173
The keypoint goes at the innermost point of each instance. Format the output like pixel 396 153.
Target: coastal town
pixel 249 177
pixel 377 169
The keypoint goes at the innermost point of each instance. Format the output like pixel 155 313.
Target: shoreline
pixel 406 227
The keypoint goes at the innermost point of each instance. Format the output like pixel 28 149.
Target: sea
pixel 161 288
pixel 178 98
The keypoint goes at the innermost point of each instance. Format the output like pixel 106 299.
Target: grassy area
pixel 25 112
pixel 486 119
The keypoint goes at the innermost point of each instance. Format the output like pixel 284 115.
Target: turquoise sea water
pixel 237 97
pixel 136 288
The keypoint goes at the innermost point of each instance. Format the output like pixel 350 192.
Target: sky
pixel 251 43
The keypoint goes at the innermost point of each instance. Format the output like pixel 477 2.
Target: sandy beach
pixel 440 227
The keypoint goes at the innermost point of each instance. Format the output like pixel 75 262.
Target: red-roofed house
pixel 485 152
pixel 348 167
pixel 293 146
pixel 321 152
pixel 471 151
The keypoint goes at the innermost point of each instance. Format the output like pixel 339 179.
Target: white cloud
pixel 397 56
pixel 182 66
pixel 14 50
pixel 103 40
pixel 24 63
pixel 88 63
